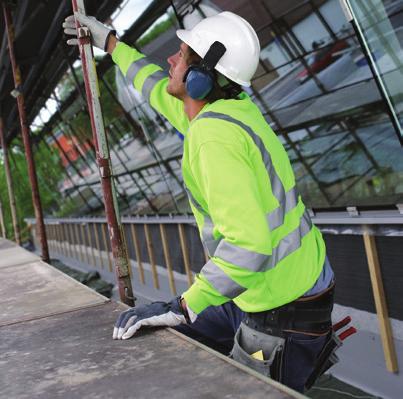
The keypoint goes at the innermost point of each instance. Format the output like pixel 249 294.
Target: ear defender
pixel 199 79
pixel 198 82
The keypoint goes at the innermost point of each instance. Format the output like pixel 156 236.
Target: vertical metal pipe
pixel 167 256
pixel 51 230
pixel 9 181
pixel 72 239
pixel 77 231
pixel 63 240
pixel 54 237
pixel 98 245
pixel 25 134
pixel 49 238
pixel 108 254
pixel 185 254
pixel 85 250
pixel 138 253
pixel 91 244
pixel 68 242
pixel 103 158
pixel 3 227
pixel 151 257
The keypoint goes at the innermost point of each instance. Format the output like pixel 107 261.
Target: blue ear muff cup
pixel 198 83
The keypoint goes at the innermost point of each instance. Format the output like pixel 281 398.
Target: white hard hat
pixel 240 61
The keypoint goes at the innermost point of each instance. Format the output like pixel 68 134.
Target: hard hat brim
pixel 186 37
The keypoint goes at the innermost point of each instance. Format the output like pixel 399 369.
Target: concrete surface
pixel 50 350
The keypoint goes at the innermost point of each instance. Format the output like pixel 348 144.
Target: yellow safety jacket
pixel 264 250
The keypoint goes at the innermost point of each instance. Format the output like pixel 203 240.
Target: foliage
pixel 49 173
pixel 155 31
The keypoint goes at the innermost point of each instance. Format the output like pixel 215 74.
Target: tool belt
pixel 307 315
pixel 267 333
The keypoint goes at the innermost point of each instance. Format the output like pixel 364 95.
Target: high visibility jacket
pixel 264 250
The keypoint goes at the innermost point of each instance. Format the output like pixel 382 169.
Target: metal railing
pixel 158 242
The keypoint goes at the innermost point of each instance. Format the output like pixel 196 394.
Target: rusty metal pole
pixel 2 225
pixel 10 188
pixel 25 134
pixel 119 249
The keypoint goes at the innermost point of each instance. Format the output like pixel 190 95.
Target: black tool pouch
pixel 248 341
pixel 326 358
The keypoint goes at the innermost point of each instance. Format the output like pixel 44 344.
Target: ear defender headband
pixel 199 79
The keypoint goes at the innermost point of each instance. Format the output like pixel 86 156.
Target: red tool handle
pixel 341 323
pixel 345 334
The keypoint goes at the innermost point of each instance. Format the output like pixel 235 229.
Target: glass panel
pixel 330 116
pixel 379 23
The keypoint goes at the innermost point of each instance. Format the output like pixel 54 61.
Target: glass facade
pixel 316 89
pixel 318 92
pixel 378 23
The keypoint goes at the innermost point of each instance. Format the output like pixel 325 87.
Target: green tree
pixel 49 173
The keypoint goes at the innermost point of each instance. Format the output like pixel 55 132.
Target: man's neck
pixel 193 107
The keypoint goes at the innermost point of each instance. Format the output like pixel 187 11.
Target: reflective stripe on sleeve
pixel 257 262
pixel 275 218
pixel 208 240
pixel 221 281
pixel 134 68
pixel 150 82
pixel 290 243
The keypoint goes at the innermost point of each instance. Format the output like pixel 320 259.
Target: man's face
pixel 179 65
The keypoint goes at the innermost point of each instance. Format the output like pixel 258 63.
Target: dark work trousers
pixel 216 327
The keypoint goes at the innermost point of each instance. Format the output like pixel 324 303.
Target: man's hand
pixel 168 314
pixel 100 34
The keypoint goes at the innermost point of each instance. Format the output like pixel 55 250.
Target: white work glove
pixel 168 314
pixel 99 32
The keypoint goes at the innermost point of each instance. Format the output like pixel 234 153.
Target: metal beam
pixel 119 249
pixel 25 134
pixel 10 186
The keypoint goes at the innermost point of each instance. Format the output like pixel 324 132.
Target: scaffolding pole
pixel 25 134
pixel 2 225
pixel 9 181
pixel 119 250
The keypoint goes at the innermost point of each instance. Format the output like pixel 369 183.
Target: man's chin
pixel 173 92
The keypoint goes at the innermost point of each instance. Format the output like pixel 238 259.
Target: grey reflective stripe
pixel 220 281
pixel 257 262
pixel 208 240
pixel 211 245
pixel 276 218
pixel 289 243
pixel 207 236
pixel 276 184
pixel 134 69
pixel 150 82
pixel 194 202
pixel 240 257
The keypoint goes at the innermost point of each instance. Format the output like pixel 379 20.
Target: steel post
pixel 2 225
pixel 9 181
pixel 25 134
pixel 119 249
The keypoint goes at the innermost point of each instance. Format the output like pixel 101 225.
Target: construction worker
pixel 266 294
